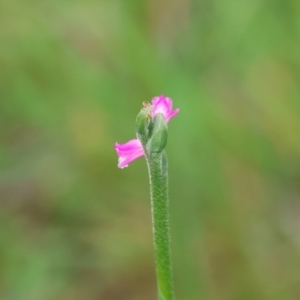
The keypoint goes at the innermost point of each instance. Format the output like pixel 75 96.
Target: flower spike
pixel 133 149
pixel 152 134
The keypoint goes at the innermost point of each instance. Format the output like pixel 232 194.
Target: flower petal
pixel 128 152
pixel 164 106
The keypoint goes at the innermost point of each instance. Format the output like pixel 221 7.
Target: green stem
pixel 158 173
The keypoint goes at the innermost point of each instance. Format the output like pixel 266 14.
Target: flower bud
pixel 158 140
pixel 143 122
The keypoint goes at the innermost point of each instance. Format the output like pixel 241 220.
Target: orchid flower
pixel 133 149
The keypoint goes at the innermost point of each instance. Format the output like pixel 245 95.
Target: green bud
pixel 158 140
pixel 143 122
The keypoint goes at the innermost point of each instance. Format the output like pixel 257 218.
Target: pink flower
pixel 129 152
pixel 133 149
pixel 164 105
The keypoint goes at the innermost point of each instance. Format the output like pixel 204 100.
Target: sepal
pixel 159 137
pixel 143 122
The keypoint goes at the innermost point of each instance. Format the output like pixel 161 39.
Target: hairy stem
pixel 158 173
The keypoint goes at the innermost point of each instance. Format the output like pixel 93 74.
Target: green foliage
pixel 73 76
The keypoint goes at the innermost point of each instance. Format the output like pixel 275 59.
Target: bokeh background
pixel 73 76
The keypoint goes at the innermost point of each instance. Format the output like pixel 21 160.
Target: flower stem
pixel 158 173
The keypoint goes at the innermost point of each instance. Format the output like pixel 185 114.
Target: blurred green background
pixel 73 76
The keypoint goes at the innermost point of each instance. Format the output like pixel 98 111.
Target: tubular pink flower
pixel 129 152
pixel 163 105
